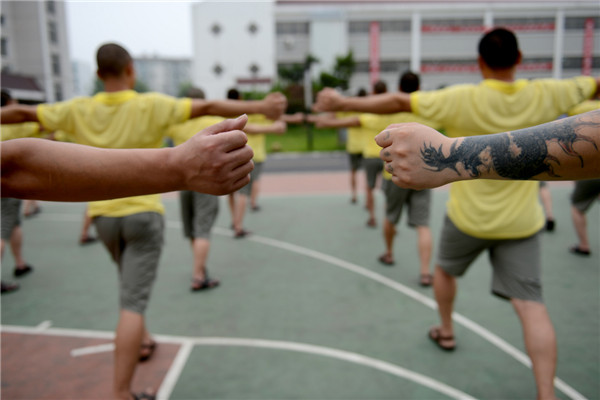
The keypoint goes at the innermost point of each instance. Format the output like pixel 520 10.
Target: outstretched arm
pixel 215 161
pixel 277 128
pixel 272 106
pixel 329 120
pixel 17 113
pixel 420 157
pixel 386 103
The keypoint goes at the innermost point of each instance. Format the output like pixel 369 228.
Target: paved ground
pixel 305 311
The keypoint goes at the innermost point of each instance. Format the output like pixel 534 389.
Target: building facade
pixel 164 75
pixel 437 39
pixel 34 44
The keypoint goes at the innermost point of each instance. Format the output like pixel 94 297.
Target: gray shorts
pixel 515 262
pixel 135 243
pixel 585 193
pixel 355 161
pixel 198 213
pixel 418 202
pixel 11 216
pixel 254 176
pixel 373 167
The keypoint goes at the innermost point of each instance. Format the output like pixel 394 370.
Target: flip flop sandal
pixel 426 280
pixel 386 260
pixel 198 285
pixel 149 347
pixel 435 335
pixel 578 251
pixel 143 396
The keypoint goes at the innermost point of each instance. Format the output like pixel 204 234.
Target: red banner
pixel 374 52
pixel 588 46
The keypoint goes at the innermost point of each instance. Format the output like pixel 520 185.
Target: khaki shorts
pixel 515 262
pixel 10 217
pixel 254 176
pixel 585 194
pixel 198 213
pixel 373 168
pixel 355 161
pixel 418 202
pixel 135 243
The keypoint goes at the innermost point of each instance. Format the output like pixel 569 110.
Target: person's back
pixel 498 209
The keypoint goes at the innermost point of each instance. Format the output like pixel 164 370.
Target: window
pixel 55 64
pixel 252 28
pixel 50 6
pixel 292 28
pixel 3 47
pixel 253 68
pixel 218 69
pixel 216 29
pixel 58 94
pixel 578 23
pixel 52 32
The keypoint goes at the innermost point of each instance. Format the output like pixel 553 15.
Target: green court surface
pixel 305 310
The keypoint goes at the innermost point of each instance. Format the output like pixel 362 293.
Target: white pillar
pixel 559 36
pixel 415 42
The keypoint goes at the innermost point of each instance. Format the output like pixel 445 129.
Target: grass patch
pixel 298 139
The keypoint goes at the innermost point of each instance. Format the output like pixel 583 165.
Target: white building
pixel 233 46
pixel 164 75
pixel 437 39
pixel 34 43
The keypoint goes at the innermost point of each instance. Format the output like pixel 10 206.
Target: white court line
pixel 187 344
pixel 84 351
pixel 458 318
pixel 44 325
pixel 174 372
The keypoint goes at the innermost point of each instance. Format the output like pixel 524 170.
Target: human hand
pixel 216 160
pixel 328 99
pixel 274 105
pixel 405 148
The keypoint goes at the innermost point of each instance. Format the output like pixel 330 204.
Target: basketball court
pixel 304 310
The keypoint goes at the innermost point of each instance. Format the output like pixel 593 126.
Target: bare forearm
pixel 385 103
pixel 17 113
pixel 45 170
pixel 567 149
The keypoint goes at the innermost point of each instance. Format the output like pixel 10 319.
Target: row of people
pixel 456 108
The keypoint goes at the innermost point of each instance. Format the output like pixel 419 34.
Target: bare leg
pixel 16 246
pixel 200 249
pixel 254 195
pixel 580 224
pixel 371 207
pixel 424 244
pixel 129 335
pixel 85 228
pixel 239 211
pixel 540 342
pixel 546 199
pixel 389 232
pixel 444 286
pixel 353 184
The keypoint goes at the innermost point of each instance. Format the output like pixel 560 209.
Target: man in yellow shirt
pixel 131 228
pixel 501 217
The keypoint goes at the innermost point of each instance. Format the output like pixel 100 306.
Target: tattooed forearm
pixel 518 155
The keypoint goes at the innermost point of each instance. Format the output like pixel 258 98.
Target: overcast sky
pixel 143 27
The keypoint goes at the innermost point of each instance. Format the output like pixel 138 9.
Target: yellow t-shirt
pixel 373 124
pixel 499 209
pixel 589 105
pixel 258 141
pixel 355 142
pixel 19 131
pixel 183 132
pixel 117 120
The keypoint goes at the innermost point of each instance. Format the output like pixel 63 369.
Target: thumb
pixel 227 125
